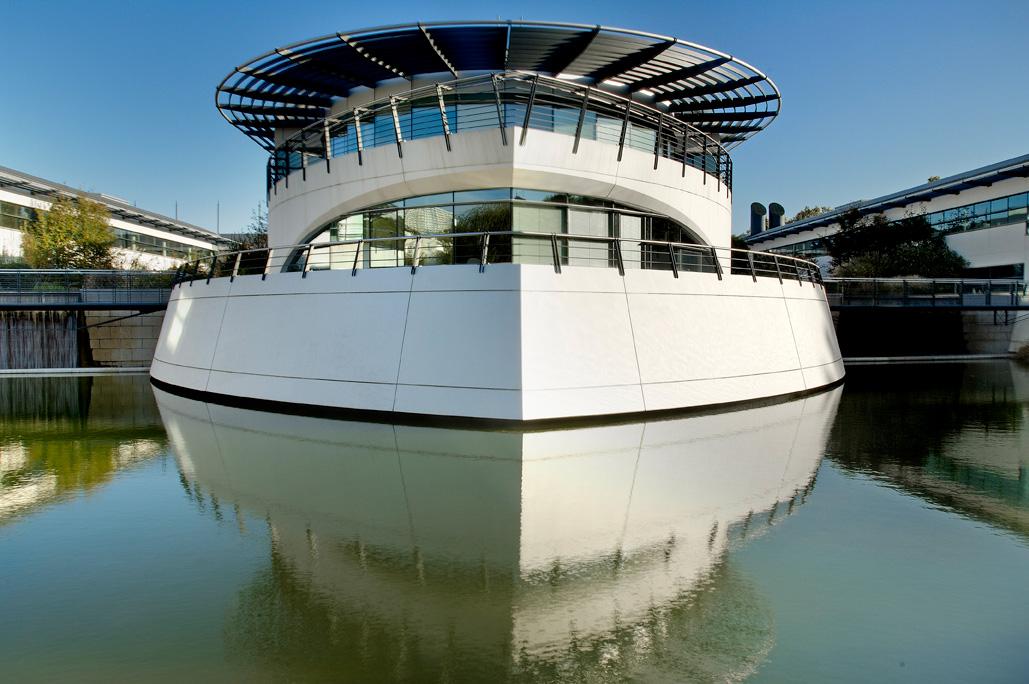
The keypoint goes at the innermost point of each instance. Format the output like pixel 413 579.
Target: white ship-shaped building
pixel 510 221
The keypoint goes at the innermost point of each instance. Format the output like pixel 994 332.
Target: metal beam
pixel 711 89
pixel 565 56
pixel 679 74
pixel 724 103
pixel 629 61
pixel 437 50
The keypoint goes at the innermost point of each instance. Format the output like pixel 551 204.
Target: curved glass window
pixel 536 212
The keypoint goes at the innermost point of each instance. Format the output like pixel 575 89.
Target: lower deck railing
pixel 499 247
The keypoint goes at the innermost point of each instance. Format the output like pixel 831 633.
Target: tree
pixel 74 233
pixel 738 242
pixel 933 179
pixel 875 247
pixel 255 235
pixel 808 212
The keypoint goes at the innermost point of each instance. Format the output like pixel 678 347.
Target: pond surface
pixel 875 532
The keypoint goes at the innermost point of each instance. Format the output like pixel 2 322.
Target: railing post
pixel 618 256
pixel 485 253
pixel 267 264
pixel 904 292
pixel 289 162
pixel 657 140
pixel 307 261
pixel 442 115
pixel 235 267
pixel 704 157
pixel 556 253
pixel 582 119
pixel 671 258
pixel 210 271
pixel 625 127
pixel 414 256
pixel 396 126
pixel 357 254
pixel 778 270
pixel 327 143
pixel 933 293
pixel 989 292
pixel 750 259
pixel 528 108
pixel 359 136
pixel 303 159
pixel 718 265
pixel 718 172
pixel 500 112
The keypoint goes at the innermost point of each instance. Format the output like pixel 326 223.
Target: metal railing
pixel 498 247
pixel 502 101
pixel 953 293
pixel 81 289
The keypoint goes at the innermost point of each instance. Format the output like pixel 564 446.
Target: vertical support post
pixel 582 119
pixel 625 128
pixel 528 108
pixel 267 264
pixel 235 267
pixel 288 161
pixel 396 126
pixel 414 256
pixel 618 256
pixel 750 260
pixel 360 138
pixel 704 157
pixel 500 112
pixel 685 148
pixel 357 253
pixel 327 143
pixel 718 171
pixel 556 253
pixel 485 253
pixel 672 259
pixel 657 140
pixel 443 115
pixel 718 265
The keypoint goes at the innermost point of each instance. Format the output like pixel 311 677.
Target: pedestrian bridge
pixel 926 293
pixel 83 290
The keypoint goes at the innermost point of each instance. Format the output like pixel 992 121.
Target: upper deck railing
pixel 500 101
pixel 497 247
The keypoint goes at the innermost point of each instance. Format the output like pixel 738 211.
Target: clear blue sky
pixel 118 97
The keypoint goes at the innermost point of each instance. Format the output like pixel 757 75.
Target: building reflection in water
pixel 406 550
pixel 60 435
pixel 958 441
pixel 402 551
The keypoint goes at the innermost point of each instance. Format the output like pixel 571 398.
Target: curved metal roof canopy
pixel 294 86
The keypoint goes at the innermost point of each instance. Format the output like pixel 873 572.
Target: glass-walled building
pixel 984 214
pixel 141 237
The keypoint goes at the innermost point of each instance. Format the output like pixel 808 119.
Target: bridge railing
pixel 497 247
pixel 78 288
pixel 926 292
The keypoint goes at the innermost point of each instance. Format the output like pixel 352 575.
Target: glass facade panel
pixel 432 217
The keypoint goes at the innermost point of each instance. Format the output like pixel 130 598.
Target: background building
pixel 142 237
pixel 982 212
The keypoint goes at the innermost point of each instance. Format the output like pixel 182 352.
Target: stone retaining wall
pixel 128 342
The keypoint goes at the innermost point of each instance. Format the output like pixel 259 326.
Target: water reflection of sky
pixel 705 548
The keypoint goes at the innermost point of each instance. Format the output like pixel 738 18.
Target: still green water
pixel 876 532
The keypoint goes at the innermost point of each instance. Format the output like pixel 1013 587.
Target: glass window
pixel 1018 201
pixel 999 205
pixel 482 195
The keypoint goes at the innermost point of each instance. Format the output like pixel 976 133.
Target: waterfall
pixel 38 339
